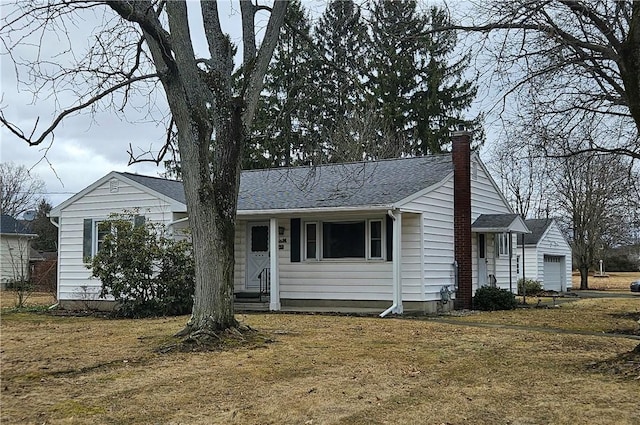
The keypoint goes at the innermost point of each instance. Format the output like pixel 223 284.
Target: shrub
pixel 22 289
pixel 147 273
pixel 492 299
pixel 532 287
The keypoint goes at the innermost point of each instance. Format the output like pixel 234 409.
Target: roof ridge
pixel 148 177
pixel 334 164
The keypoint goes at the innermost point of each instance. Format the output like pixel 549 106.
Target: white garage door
pixel 553 273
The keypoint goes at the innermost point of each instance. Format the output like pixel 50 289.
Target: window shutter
pixel 389 241
pixel 87 239
pixel 138 221
pixel 295 240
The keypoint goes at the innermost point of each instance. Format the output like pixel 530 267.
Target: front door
pixel 257 253
pixel 482 259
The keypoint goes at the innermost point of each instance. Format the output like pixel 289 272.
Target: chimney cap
pixel 461 132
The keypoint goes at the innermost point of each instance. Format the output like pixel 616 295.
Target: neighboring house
pixel 15 249
pixel 547 255
pixel 392 234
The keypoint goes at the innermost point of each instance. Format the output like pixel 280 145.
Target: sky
pixel 86 146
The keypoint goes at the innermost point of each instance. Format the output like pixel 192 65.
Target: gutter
pixel 55 223
pixel 270 212
pixel 174 222
pixel 180 220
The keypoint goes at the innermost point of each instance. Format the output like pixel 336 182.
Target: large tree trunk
pixel 211 190
pixel 211 126
pixel 584 277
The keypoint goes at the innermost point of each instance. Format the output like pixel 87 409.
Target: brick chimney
pixel 461 157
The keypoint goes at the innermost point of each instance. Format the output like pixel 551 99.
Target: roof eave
pixel 291 211
pixel 24 235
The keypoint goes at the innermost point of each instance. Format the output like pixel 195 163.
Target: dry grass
pixel 618 315
pixel 9 299
pixel 319 370
pixel 616 281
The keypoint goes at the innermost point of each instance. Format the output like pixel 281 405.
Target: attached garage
pixel 547 255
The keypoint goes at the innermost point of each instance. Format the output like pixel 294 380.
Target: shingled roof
pixel 499 223
pixel 537 226
pixel 170 188
pixel 358 184
pixel 11 226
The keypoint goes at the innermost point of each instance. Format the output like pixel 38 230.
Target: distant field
pixel 617 281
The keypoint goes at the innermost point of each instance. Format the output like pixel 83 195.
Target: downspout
pixel 396 306
pixel 524 278
pixel 274 290
pixel 54 306
pixel 510 266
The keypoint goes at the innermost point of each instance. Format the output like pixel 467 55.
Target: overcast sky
pixel 86 147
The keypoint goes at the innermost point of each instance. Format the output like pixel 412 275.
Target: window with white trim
pixel 100 230
pixel 311 241
pixel 503 240
pixel 346 239
pixel 375 239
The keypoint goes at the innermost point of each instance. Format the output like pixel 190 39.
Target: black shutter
pixel 389 231
pixel 87 239
pixel 295 240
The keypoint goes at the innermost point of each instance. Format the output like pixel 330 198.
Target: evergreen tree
pixel 280 128
pixel 341 38
pixel 444 93
pixel 416 95
pixel 47 239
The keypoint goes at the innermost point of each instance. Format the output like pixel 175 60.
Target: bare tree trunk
pixel 584 277
pixel 211 108
pixel 211 190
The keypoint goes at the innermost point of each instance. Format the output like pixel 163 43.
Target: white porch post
pixel 274 295
pixel 397 262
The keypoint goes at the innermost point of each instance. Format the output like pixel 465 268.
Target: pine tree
pixel 416 95
pixel 341 38
pixel 444 93
pixel 47 239
pixel 280 129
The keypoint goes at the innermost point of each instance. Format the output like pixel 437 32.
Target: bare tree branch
pixel 49 131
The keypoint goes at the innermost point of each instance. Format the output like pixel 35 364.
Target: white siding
pixel 530 262
pixel 240 250
pixel 437 234
pixel 487 199
pixel 502 267
pixel 411 265
pixel 74 282
pixel 14 257
pixel 332 279
pixel 552 242
pixel 329 279
pixel 485 195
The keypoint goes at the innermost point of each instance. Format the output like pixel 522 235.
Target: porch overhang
pixel 499 223
pixel 314 211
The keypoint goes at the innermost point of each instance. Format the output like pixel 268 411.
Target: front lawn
pixel 322 370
